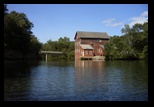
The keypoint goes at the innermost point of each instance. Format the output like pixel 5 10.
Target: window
pixel 99 40
pixel 98 50
pixel 86 52
pixel 92 44
pixel 90 52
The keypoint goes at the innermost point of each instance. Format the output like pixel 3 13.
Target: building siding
pixel 94 42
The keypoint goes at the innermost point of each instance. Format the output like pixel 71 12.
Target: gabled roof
pixel 86 47
pixel 100 35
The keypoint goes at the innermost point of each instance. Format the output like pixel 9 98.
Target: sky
pixel 52 21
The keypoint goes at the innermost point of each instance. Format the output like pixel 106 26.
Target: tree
pixel 18 36
pixel 35 45
pixel 17 32
pixel 5 9
pixel 126 29
pixel 63 45
pixel 133 44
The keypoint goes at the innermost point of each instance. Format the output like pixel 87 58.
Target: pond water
pixel 76 80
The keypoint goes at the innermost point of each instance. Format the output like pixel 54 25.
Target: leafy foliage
pixel 18 35
pixel 63 45
pixel 132 45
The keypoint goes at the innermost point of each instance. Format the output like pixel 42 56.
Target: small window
pixel 86 52
pixel 99 40
pixel 98 50
pixel 90 52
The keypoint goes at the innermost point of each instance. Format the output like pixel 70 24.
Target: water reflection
pixel 128 79
pixel 88 70
pixel 16 79
pixel 52 81
pixel 89 77
pixel 112 80
pixel 76 81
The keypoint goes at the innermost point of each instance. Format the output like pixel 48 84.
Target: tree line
pixel 63 45
pixel 133 44
pixel 19 41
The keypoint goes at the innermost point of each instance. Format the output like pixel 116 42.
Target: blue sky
pixel 52 21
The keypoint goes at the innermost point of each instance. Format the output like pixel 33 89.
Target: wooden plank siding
pixel 94 42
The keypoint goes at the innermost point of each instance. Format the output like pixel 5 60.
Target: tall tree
pixel 35 45
pixel 17 31
pixel 133 44
pixel 5 9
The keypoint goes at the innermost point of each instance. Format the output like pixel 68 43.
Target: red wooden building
pixel 89 44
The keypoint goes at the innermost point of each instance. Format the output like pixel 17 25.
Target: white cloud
pixel 145 14
pixel 115 24
pixel 111 22
pixel 140 19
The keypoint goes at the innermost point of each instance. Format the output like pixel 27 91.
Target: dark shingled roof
pixel 83 34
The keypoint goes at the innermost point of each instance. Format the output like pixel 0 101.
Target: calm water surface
pixel 76 81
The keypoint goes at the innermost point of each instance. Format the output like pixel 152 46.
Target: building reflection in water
pixel 89 65
pixel 88 76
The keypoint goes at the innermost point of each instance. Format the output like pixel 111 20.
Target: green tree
pixel 18 36
pixel 35 45
pixel 133 44
pixel 17 32
pixel 63 45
